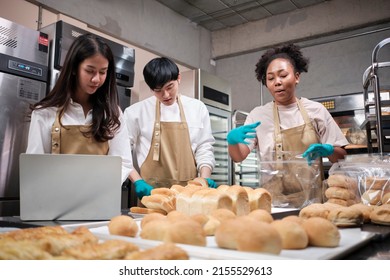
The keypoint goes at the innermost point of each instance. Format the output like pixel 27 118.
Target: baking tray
pixel 351 239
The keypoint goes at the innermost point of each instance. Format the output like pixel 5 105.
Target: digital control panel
pixel 26 68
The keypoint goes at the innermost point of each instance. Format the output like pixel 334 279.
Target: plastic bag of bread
pixel 366 182
pixel 291 182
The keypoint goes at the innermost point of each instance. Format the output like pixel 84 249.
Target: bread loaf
pixel 240 201
pixel 346 217
pixel 159 201
pixel 259 198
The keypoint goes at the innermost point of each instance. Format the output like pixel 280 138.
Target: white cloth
pixel 39 137
pixel 140 119
pixel 326 128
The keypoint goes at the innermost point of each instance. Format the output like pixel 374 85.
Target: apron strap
pixel 277 134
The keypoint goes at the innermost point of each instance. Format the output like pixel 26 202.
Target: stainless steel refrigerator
pixel 23 80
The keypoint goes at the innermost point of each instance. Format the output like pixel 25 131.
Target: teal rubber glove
pixel 239 134
pixel 317 150
pixel 142 188
pixel 211 183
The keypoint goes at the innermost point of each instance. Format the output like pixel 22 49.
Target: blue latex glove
pixel 239 134
pixel 142 188
pixel 317 150
pixel 211 183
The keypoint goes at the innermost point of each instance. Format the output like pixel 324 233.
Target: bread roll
pixel 294 218
pixel 365 209
pixel 339 193
pixel 222 214
pixel 261 215
pixel 151 217
pixel 211 225
pixel 158 201
pixel 174 216
pixel 342 181
pixel 292 233
pixel 123 225
pixel 346 217
pixel 186 232
pixel 338 201
pixel 321 232
pixel 381 215
pixel 314 210
pixel 156 229
pixel 236 234
pixel 201 218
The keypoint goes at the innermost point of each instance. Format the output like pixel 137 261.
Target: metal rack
pixel 377 119
pixel 245 172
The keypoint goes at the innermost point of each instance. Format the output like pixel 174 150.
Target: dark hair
pixel 105 114
pixel 159 71
pixel 290 52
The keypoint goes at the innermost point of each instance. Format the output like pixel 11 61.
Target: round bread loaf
pixel 381 215
pixel 346 217
pixel 222 214
pixel 258 237
pixel 150 217
pixel 294 218
pixel 123 225
pixel 261 215
pixel 293 234
pixel 321 232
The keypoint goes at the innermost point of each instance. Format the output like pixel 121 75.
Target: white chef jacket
pixel 39 137
pixel 140 118
pixel 326 128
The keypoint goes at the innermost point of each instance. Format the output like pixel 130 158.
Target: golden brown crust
pixel 292 233
pixel 321 232
pixel 150 217
pixel 386 198
pixel 261 215
pixel 339 193
pixel 372 197
pixel 165 251
pixel 377 183
pixel 365 209
pixel 108 250
pixel 294 218
pixel 314 210
pixel 381 215
pixel 159 201
pixel 123 225
pixel 259 237
pixel 346 217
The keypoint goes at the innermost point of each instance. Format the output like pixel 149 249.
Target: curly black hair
pixel 290 52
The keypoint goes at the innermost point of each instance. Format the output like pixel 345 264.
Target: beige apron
pixel 170 159
pixel 296 183
pixel 69 139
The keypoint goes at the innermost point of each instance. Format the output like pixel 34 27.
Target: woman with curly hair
pixel 288 124
pixel 81 114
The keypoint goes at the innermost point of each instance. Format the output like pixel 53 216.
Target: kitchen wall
pixel 339 54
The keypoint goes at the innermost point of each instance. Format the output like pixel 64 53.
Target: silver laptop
pixel 70 187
